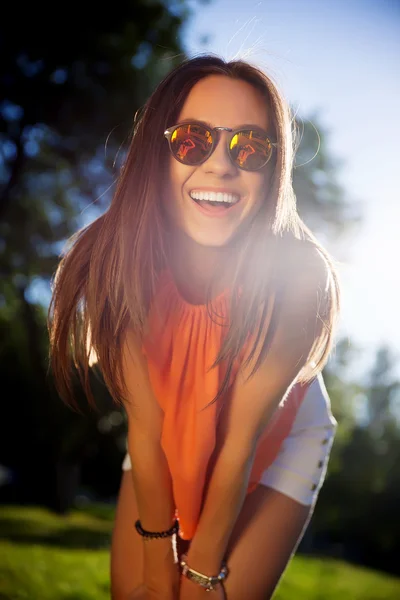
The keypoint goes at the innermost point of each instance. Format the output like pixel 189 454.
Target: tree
pixel 65 87
pixel 382 389
pixel 69 95
pixel 322 201
pixel 70 84
pixel 357 508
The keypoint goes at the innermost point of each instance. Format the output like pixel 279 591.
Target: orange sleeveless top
pixel 181 344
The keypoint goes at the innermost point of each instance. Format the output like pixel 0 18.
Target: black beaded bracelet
pixel 157 534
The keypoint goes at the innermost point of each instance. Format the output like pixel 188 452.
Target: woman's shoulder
pixel 303 265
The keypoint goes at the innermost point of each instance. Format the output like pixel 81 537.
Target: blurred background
pixel 71 79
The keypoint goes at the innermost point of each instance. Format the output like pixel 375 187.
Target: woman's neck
pixel 194 267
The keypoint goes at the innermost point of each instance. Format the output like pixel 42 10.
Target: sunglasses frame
pixel 215 139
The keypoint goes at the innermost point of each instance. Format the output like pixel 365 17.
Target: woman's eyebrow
pixel 241 126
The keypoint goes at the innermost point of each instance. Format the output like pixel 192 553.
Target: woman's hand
pixel 190 590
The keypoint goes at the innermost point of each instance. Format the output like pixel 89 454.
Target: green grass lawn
pixel 47 557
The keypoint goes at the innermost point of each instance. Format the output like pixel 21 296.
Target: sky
pixel 341 59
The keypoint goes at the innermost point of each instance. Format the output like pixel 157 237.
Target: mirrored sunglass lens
pixel 191 143
pixel 250 149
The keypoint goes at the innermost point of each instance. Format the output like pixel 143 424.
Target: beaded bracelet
pixel 157 534
pixel 205 581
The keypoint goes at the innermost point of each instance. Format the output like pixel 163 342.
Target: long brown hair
pixel 97 295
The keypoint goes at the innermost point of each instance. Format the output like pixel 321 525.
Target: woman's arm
pixel 151 479
pixel 251 406
pixel 150 473
pixel 153 490
pixel 274 517
pixel 151 476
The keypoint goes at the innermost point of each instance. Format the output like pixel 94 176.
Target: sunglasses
pixel 192 143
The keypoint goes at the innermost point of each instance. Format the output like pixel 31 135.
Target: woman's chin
pixel 210 241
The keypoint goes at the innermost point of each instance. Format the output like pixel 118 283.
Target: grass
pixel 40 573
pixel 328 579
pixel 48 557
pixel 44 556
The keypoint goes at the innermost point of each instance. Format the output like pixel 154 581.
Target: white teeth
pixel 215 197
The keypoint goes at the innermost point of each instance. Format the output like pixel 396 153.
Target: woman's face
pixel 218 101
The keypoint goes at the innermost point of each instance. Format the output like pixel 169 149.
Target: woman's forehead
pixel 221 101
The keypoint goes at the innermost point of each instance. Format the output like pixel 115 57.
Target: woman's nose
pixel 219 162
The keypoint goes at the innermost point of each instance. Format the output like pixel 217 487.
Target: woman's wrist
pixel 157 546
pixel 204 579
pixel 164 532
pixel 206 562
pixel 160 552
pixel 161 567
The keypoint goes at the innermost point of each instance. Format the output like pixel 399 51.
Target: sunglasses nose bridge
pixel 217 132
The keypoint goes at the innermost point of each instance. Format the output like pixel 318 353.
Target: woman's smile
pixel 216 202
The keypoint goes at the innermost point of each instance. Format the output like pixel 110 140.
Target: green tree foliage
pixel 357 509
pixel 70 86
pixel 71 80
pixel 322 200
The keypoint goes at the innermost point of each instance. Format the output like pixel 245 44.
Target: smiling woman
pixel 211 309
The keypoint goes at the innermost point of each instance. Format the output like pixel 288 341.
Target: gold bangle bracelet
pixel 204 581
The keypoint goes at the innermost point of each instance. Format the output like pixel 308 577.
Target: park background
pixel 71 80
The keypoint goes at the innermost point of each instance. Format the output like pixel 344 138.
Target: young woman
pixel 211 309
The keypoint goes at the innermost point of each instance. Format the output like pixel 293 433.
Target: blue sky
pixel 342 59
